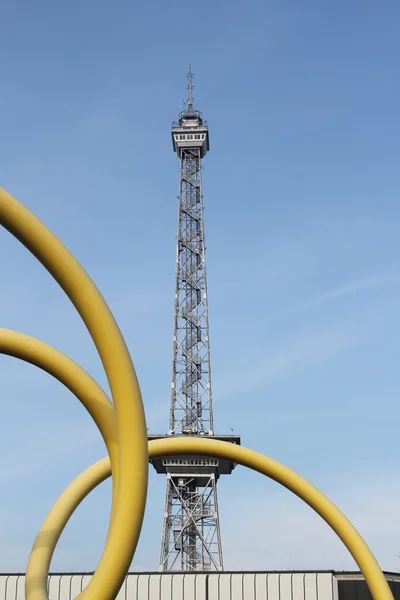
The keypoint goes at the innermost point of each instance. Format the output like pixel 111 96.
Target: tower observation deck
pixel 191 539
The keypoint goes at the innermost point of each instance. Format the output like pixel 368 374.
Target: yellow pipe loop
pixel 70 499
pixel 127 520
pixel 68 372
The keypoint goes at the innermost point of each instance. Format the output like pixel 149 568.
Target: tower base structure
pixel 191 532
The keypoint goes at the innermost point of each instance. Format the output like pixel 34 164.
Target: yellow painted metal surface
pixel 68 372
pixel 124 431
pixel 127 520
pixel 70 499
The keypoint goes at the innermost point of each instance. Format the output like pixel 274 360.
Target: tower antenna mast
pixel 190 88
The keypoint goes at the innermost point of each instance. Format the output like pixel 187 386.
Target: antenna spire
pixel 190 88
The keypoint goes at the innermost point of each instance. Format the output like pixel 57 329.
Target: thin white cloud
pixel 349 288
pixel 298 354
pixel 307 351
pixel 287 263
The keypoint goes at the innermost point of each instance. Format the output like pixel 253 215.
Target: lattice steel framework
pixel 191 534
pixel 191 400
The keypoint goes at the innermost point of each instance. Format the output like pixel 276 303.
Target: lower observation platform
pixel 198 465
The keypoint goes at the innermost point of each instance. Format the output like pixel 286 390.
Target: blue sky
pixel 302 220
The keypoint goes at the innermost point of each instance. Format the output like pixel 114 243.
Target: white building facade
pixel 321 585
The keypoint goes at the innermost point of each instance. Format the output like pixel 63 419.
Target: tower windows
pixel 190 136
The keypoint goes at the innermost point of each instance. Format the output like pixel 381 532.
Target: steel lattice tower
pixel 191 538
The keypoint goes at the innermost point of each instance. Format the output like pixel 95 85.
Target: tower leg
pixel 191 534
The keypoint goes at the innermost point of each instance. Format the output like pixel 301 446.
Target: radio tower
pixel 191 538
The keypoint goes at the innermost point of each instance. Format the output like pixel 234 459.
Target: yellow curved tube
pixel 69 373
pixel 46 540
pixel 127 520
pixel 76 379
pixel 70 499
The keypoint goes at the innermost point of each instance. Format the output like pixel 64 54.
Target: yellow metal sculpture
pixel 122 425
